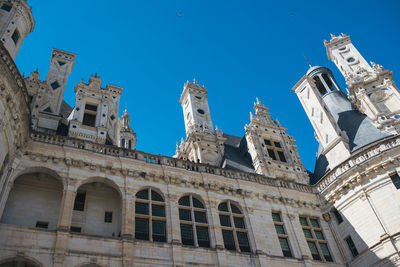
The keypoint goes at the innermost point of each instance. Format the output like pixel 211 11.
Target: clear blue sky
pixel 239 50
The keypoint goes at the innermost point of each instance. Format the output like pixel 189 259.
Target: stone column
pixel 66 209
pixel 128 216
pixel 216 239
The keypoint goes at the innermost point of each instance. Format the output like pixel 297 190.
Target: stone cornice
pixel 160 160
pixel 332 184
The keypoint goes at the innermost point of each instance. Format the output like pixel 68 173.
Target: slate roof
pixel 236 155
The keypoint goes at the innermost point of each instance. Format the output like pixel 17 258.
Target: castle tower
pixel 273 152
pixel 339 128
pixel 127 138
pixel 311 90
pixel 203 144
pixel 95 115
pixel 371 89
pixel 16 22
pixel 48 95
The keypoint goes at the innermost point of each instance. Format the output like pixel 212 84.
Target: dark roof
pixel 236 155
pixel 65 109
pixel 357 126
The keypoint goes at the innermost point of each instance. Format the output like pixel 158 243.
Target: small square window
pixel 76 229
pixel 40 224
pixel 108 217
pixel 55 85
pixel 6 7
pixel 15 36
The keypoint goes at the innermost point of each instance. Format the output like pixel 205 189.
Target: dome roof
pixel 311 69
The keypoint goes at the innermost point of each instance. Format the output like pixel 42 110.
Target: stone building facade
pixel 75 192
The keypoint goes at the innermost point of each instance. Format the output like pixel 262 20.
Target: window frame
pixel 149 216
pixel 270 144
pixel 16 36
pixel 193 222
pixel 283 236
pixel 394 176
pixel 233 228
pixel 314 239
pixel 90 112
pixel 352 247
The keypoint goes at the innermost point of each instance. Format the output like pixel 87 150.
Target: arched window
pixel 233 227
pixel 193 220
pixel 150 222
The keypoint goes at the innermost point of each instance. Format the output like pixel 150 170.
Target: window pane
pixel 280 230
pixel 243 241
pixel 144 194
pixel 185 215
pixel 314 223
pixel 79 203
pixel 396 180
pixel 15 36
pixel 158 210
pixel 319 235
pixel 89 119
pixel 184 201
pixel 307 233
pixel 142 208
pixel 285 247
pixel 271 154
pixel 239 222
pixel 6 7
pixel 276 217
pixel 281 156
pixel 225 220
pixel 200 217
pixel 267 142
pixel 235 209
pixel 91 107
pixel 325 251
pixel 202 236
pixel 156 196
pixel 229 242
pixel 159 233
pixel 314 250
pixel 223 207
pixel 197 203
pixel 303 221
pixel 108 217
pixel 352 246
pixel 277 144
pixel 141 229
pixel 187 234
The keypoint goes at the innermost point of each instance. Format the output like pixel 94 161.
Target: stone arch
pixel 34 198
pixel 237 204
pixel 98 207
pixel 104 180
pixel 13 261
pixel 39 169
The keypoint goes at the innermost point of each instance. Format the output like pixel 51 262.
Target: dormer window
pixel 275 150
pixel 6 7
pixel 89 117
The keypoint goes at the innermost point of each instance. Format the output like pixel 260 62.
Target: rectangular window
pixel 159 233
pixel 187 234
pixel 315 239
pixel 229 241
pixel 79 203
pixel 275 150
pixel 243 241
pixel 282 236
pixel 202 236
pixel 15 36
pixel 142 229
pixel 76 229
pixel 158 210
pixel 108 217
pixel 89 117
pixel 40 224
pixel 395 179
pixel 351 246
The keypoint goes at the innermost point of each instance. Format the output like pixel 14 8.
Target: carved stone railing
pixel 357 159
pixel 168 161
